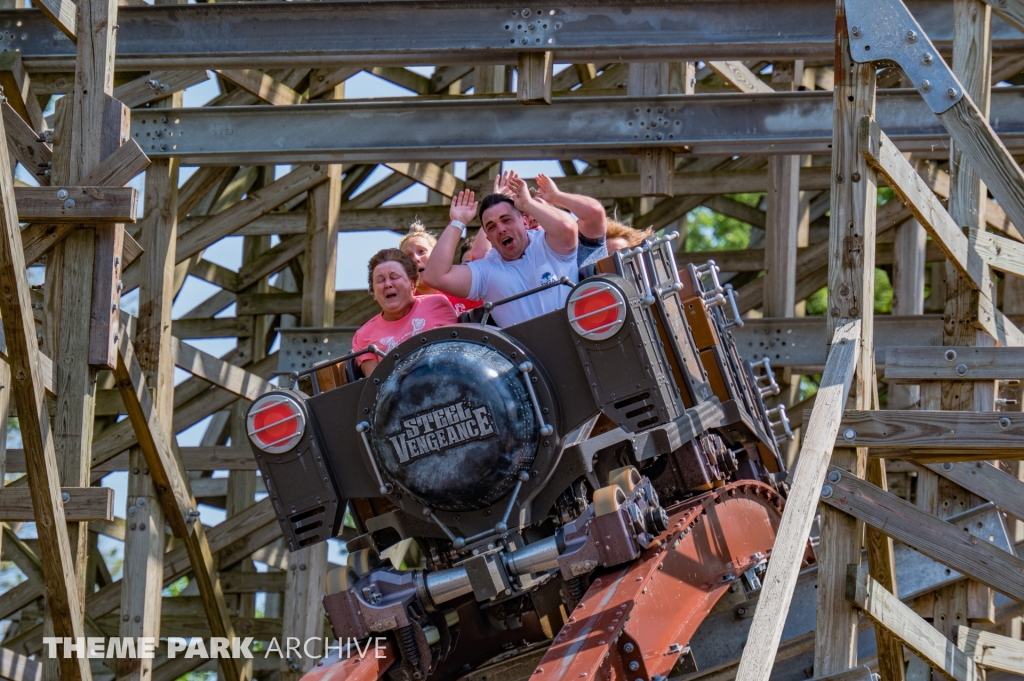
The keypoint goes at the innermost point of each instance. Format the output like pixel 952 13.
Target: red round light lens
pixel 596 312
pixel 276 423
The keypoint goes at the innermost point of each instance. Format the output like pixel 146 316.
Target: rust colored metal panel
pixel 634 622
pixel 367 667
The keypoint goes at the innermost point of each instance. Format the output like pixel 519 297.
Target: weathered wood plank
pixel 217 371
pixel 221 327
pixel 157 85
pixel 737 74
pixel 535 77
pixel 977 140
pixel 17 87
pixel 931 429
pixel 997 251
pixel 854 224
pixel 20 336
pixel 801 506
pixel 15 667
pixel 64 14
pixel 87 204
pixel 926 533
pixel 885 610
pixel 172 487
pixel 26 145
pixel 263 86
pixel 255 204
pixel 219 458
pixel 992 650
pixel 882 154
pixel 988 482
pixel 911 364
pixel 84 504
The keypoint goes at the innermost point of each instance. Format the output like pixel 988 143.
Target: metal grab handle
pixel 645 278
pixel 488 307
pixel 771 387
pixel 312 369
pixel 709 269
pixel 737 320
pixel 787 432
pixel 362 428
pixel 545 428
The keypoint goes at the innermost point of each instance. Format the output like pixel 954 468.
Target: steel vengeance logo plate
pixel 439 429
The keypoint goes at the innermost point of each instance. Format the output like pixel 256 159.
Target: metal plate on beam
pixel 302 347
pixel 290 35
pixel 799 342
pixel 917 574
pixel 482 129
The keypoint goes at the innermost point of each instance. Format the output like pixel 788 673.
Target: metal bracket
pixel 533 29
pixel 886 30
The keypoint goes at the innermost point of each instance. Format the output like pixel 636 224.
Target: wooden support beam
pixel 172 487
pixel 974 431
pixel 885 610
pixel 801 505
pixel 230 540
pixel 431 176
pixel 935 363
pixel 63 598
pixel 82 504
pixel 991 651
pixel 403 77
pixel 883 155
pixel 26 145
pixel 998 252
pixel 64 14
pixel 215 370
pixel 221 327
pixel 157 85
pixel 534 83
pixel 323 81
pixel 256 203
pixel 657 166
pixel 321 250
pixel 738 75
pixel 988 482
pixel 853 230
pixel 17 88
pixel 935 538
pixel 270 261
pixel 80 205
pixel 263 86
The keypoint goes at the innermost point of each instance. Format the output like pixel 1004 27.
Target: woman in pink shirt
pixel 393 278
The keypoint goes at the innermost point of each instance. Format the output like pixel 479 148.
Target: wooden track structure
pixel 879 481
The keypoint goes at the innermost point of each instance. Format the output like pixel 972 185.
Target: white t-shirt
pixel 495 279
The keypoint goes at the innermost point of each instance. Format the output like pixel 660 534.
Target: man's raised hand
pixel 501 183
pixel 548 188
pixel 464 206
pixel 520 192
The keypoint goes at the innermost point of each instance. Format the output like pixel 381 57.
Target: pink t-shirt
pixel 428 312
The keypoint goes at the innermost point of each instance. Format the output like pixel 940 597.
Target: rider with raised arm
pixel 521 259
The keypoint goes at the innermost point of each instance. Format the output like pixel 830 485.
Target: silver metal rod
pixel 448 584
pixel 536 557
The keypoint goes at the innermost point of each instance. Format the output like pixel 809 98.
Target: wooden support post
pixel 308 567
pixel 144 537
pixel 657 165
pixel 908 266
pixel 534 83
pixel 972 65
pixel 851 295
pixel 175 494
pixel 798 516
pixel 64 598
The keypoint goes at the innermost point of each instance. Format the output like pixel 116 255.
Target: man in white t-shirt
pixel 520 260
